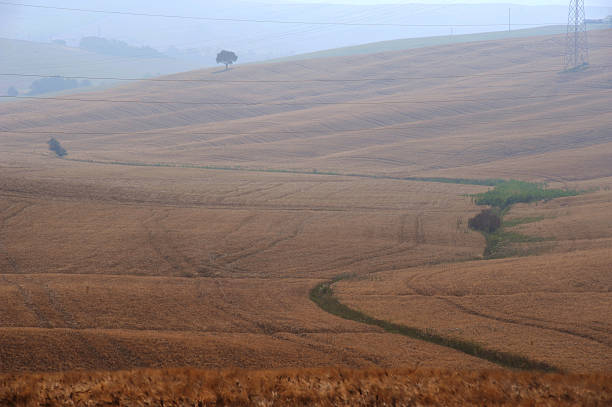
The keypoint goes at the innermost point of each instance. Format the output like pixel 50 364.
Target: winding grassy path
pixel 502 197
pixel 323 296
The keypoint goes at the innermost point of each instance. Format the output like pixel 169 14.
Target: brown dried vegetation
pixel 305 387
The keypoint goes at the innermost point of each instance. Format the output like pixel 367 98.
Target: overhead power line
pixel 241 20
pixel 373 79
pixel 397 102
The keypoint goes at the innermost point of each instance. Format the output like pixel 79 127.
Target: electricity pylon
pixel 576 46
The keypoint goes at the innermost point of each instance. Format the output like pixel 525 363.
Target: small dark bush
pixel 12 92
pixel 486 221
pixel 57 148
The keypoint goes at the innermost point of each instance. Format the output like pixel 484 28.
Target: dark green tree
pixel 227 58
pixel 486 221
pixel 56 147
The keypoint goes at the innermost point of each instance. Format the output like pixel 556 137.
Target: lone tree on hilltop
pixel 56 147
pixel 12 92
pixel 227 58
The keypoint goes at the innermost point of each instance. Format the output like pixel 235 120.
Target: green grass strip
pixel 322 295
pixel 522 221
pixel 501 198
pixel 507 193
pixel 461 181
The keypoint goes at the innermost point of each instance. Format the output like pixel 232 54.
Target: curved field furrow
pixel 160 248
pixel 232 259
pixel 29 303
pixel 12 213
pixel 524 323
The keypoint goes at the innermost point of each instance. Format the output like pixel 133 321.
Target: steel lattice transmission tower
pixel 576 47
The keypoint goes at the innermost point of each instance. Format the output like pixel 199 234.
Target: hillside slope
pixel 488 106
pixel 421 42
pixel 131 253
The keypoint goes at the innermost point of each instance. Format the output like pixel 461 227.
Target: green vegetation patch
pixel 322 295
pixel 522 221
pixel 498 243
pixel 491 182
pixel 501 198
pixel 507 193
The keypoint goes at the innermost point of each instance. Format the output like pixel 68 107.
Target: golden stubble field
pixel 552 305
pixel 112 265
pixel 107 267
pixel 495 108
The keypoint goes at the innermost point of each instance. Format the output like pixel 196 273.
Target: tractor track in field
pixel 162 243
pixel 55 304
pixel 470 311
pixel 43 321
pixel 3 222
pixel 297 229
pixel 326 348
pixel 152 240
pixel 467 310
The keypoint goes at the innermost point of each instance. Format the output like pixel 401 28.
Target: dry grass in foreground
pixel 312 387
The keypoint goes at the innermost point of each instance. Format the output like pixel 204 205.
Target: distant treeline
pixel 118 48
pixel 55 84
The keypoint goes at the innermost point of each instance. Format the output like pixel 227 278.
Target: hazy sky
pixel 361 2
pixel 416 18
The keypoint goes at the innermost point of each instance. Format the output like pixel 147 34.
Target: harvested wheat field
pixel 216 269
pixel 501 108
pixel 552 308
pixel 285 216
pixel 551 303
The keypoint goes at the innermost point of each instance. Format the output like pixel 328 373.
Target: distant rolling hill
pixel 305 27
pixel 411 43
pixel 498 102
pixel 26 57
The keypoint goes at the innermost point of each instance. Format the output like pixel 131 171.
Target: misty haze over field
pixel 305 203
pixel 199 40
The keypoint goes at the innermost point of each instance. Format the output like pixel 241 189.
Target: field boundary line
pixel 470 311
pixel 461 181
